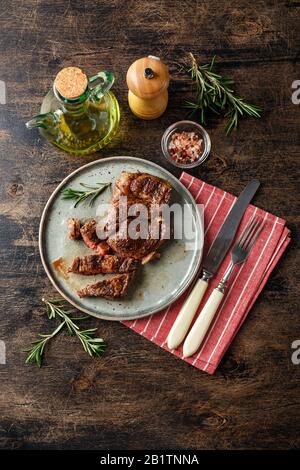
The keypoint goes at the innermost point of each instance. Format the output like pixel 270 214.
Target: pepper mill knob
pixel 148 80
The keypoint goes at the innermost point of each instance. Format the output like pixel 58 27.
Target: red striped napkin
pixel 245 285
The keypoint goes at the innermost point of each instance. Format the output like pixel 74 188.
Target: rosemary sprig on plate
pixel 57 309
pixel 214 93
pixel 92 193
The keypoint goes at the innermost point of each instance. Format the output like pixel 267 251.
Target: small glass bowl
pixel 188 126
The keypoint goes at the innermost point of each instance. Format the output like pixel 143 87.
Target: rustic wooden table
pixel 137 395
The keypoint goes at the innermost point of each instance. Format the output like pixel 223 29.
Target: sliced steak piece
pixel 142 186
pixel 111 289
pixel 97 264
pixel 89 235
pixel 74 229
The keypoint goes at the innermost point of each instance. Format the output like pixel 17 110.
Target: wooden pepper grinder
pixel 148 80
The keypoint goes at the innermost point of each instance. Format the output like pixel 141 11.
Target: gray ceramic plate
pixel 160 283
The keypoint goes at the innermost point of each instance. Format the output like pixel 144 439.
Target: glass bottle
pixel 79 115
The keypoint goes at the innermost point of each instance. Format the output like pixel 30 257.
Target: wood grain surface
pixel 136 395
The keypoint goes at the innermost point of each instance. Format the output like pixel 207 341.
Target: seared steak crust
pixel 97 264
pixel 143 186
pixel 112 288
pixel 119 210
pixel 74 229
pixel 141 248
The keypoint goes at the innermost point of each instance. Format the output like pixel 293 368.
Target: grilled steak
pixel 143 186
pixel 139 188
pixel 74 229
pixel 143 249
pixel 119 210
pixel 90 238
pixel 112 288
pixel 97 264
pixel 129 251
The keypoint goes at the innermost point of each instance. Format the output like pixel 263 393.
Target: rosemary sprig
pixel 92 345
pixel 80 196
pixel 214 93
pixel 56 308
pixel 37 350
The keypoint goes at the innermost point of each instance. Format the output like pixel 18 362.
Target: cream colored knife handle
pixel 201 325
pixel 186 314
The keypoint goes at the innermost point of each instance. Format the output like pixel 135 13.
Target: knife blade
pixel 228 230
pixel 211 264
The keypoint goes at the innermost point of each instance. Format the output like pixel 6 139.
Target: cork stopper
pixel 71 82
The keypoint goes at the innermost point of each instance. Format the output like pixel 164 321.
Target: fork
pixel 239 254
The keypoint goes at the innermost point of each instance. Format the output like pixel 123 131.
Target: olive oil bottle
pixel 80 115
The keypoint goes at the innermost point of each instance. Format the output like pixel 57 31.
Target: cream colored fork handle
pixel 186 315
pixel 201 325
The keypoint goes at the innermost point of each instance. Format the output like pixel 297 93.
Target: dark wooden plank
pixel 138 396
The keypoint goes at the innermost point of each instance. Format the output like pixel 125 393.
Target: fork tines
pixel 250 233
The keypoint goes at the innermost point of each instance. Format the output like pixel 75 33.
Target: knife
pixel 211 264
